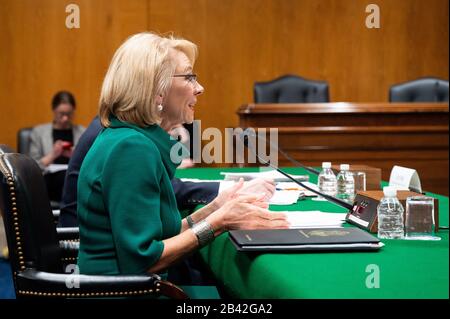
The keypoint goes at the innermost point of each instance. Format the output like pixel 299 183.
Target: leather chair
pixel 23 140
pixel 420 90
pixel 5 149
pixel 291 89
pixel 23 147
pixel 3 249
pixel 35 249
pixel 55 205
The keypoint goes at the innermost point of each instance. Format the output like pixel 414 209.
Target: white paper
pixel 302 219
pixel 288 197
pixel 53 168
pixel 272 174
pixel 403 178
pixel 196 180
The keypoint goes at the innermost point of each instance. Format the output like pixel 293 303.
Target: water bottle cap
pixel 326 165
pixel 389 191
pixel 345 167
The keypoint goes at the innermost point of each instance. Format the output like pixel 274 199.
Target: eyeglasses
pixel 62 114
pixel 192 78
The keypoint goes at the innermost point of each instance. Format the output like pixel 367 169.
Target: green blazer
pixel 126 203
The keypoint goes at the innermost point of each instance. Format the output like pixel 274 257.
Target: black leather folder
pixel 304 239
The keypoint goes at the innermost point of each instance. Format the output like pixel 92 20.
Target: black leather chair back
pixel 5 149
pixel 29 222
pixel 34 249
pixel 23 140
pixel 421 90
pixel 291 89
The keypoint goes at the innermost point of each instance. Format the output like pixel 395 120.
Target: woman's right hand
pixel 247 212
pixel 57 149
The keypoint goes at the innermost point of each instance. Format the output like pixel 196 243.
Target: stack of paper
pixel 285 197
pixel 272 174
pixel 304 219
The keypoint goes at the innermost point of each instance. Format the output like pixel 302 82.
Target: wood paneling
pixel 381 135
pixel 40 56
pixel 240 42
pixel 243 41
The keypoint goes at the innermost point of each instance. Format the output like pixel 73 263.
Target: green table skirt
pixel 401 269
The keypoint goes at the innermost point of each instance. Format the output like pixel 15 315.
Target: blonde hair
pixel 140 70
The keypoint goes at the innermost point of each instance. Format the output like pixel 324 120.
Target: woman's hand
pixel 259 187
pixel 56 151
pixel 227 194
pixel 246 212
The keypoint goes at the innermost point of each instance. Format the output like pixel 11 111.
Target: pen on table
pixel 288 189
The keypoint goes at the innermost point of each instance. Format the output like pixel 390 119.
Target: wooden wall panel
pixel 40 56
pixel 240 42
pixel 243 41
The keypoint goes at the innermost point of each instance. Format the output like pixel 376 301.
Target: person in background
pixel 52 143
pixel 127 212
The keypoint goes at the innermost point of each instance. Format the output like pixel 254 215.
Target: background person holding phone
pixel 52 143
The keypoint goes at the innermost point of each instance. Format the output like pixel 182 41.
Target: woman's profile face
pixel 180 101
pixel 62 116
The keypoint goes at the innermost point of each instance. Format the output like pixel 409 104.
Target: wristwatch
pixel 204 233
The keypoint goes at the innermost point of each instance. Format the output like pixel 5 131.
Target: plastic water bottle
pixel 390 215
pixel 345 184
pixel 327 180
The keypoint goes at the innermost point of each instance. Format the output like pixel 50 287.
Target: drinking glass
pixel 360 181
pixel 419 219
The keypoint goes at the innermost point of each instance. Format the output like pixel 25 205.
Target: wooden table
pixel 413 135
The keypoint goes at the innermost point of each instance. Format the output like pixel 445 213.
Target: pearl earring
pixel 160 107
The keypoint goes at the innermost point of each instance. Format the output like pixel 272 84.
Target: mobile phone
pixel 67 145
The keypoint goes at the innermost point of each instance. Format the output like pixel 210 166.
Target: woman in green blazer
pixel 128 216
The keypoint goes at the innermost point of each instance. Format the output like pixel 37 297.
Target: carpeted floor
pixel 6 283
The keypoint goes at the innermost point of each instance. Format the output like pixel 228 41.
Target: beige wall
pixel 240 41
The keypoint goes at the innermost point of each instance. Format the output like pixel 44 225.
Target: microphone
pixel 244 138
pixel 286 155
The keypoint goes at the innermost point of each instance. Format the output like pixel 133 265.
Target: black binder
pixel 304 239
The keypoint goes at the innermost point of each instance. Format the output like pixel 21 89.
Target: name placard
pixel 404 178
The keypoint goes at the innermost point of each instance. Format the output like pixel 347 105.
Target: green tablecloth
pixel 407 269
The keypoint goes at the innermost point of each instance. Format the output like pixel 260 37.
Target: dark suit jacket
pixel 188 194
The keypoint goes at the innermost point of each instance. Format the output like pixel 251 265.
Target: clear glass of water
pixel 360 181
pixel 419 221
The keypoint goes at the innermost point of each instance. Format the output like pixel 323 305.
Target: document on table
pixel 53 168
pixel 285 197
pixel 315 218
pixel 272 174
pixel 196 180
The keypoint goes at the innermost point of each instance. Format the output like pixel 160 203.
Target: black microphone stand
pixel 328 197
pixel 286 155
